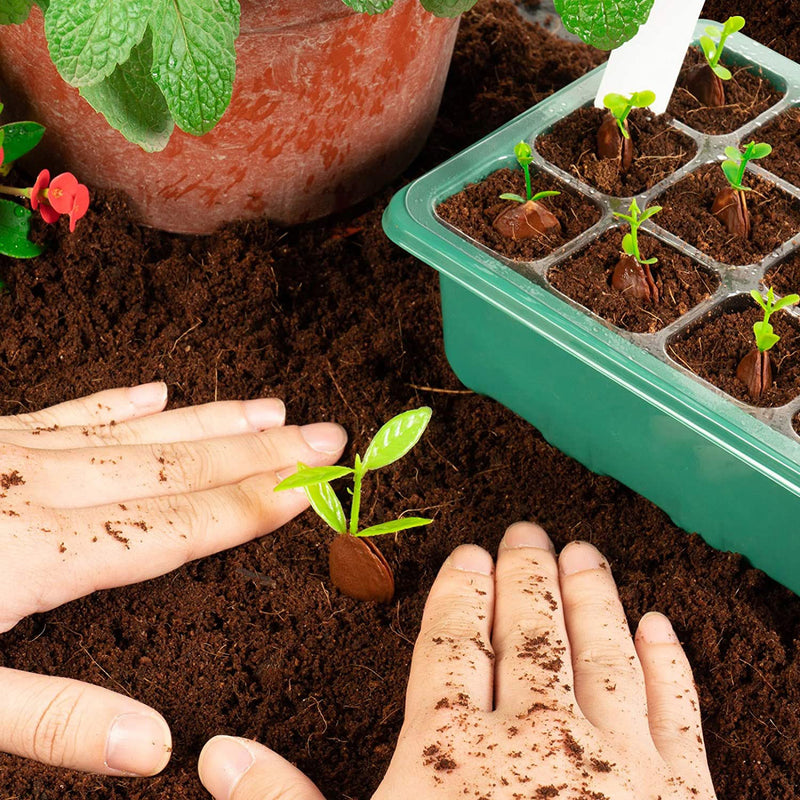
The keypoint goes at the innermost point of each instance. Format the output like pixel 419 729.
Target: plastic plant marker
pixel 653 58
pixel 359 570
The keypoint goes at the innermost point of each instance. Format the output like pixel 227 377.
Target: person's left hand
pixel 109 490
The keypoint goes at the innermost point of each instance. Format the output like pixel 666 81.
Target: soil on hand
pixel 747 95
pixel 343 325
pixel 586 278
pixel 774 216
pixel 473 210
pixel 658 150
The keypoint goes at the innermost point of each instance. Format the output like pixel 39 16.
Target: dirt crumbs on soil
pixel 344 326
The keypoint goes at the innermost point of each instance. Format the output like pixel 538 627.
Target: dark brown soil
pixel 775 216
pixel 586 277
pixel 747 95
pixel 473 210
pixel 784 277
pixel 784 160
pixel 714 348
pixel 659 150
pixel 343 325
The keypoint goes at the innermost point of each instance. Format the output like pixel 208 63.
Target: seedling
pixel 632 274
pixel 755 369
pixel 713 44
pixel 613 137
pixel 621 106
pixel 531 218
pixel 390 443
pixel 730 204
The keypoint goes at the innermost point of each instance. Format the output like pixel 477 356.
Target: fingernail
pixel 223 762
pixel 471 558
pixel 324 437
pixel 579 557
pixel 655 628
pixel 526 534
pixel 148 395
pixel 265 412
pixel 138 744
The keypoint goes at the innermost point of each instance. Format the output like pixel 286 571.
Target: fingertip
pixel 148 396
pixel 265 412
pixel 470 558
pixel 222 763
pixel 138 743
pixel 655 628
pixel 580 557
pixel 526 534
pixel 327 438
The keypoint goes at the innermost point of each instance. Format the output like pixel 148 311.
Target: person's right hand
pixel 525 683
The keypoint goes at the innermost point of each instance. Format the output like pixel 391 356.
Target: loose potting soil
pixel 344 326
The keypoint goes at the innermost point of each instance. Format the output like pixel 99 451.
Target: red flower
pixel 62 195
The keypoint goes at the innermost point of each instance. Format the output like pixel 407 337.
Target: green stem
pixel 15 192
pixel 528 191
pixel 356 504
pixel 635 238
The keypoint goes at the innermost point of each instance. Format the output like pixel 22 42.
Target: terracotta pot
pixel 328 106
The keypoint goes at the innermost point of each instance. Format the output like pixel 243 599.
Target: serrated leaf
pixel 14 12
pixel 308 476
pixel 369 6
pixel 19 138
pixel 89 38
pixel 15 223
pixel 132 103
pixel 604 24
pixel 448 8
pixel 325 502
pixel 194 59
pixel 397 437
pixel 394 526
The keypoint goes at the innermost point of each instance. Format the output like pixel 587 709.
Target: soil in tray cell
pixel 774 215
pixel 658 150
pixel 783 133
pixel 784 277
pixel 680 282
pixel 747 95
pixel 714 347
pixel 473 210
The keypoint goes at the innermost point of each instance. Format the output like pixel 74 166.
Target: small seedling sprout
pixel 524 156
pixel 736 162
pixel 391 443
pixel 765 337
pixel 620 106
pixel 712 46
pixel 630 242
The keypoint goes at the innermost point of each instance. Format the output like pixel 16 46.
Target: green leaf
pixel 396 525
pixel 756 295
pixel 325 502
pixel 512 196
pixel 19 138
pixel 540 195
pixel 731 171
pixel 707 44
pixel 448 8
pixel 369 6
pixel 650 212
pixel 14 12
pixel 89 38
pixel 733 24
pixel 308 476
pixel 194 60
pixel 15 221
pixel 765 338
pixel 523 153
pixel 733 154
pixel 643 99
pixel 648 260
pixel 723 73
pixel 760 150
pixel 132 103
pixel 627 244
pixel 615 103
pixel 789 300
pixel 397 437
pixel 604 24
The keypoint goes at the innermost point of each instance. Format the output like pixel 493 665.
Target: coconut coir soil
pixel 342 325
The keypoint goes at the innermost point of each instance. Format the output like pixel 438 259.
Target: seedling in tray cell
pixel 730 204
pixel 357 567
pixel 755 369
pixel 705 80
pixel 613 136
pixel 530 217
pixel 632 274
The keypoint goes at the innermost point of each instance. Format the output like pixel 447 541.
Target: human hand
pixel 525 683
pixel 109 490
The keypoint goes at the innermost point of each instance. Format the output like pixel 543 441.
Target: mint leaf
pixel 369 6
pixel 132 103
pixel 604 24
pixel 19 138
pixel 88 38
pixel 448 8
pixel 14 12
pixel 194 60
pixel 15 223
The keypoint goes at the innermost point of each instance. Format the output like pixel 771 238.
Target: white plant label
pixel 653 58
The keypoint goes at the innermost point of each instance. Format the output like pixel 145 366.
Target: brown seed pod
pixel 706 86
pixel 612 144
pixel 359 570
pixel 755 371
pixel 526 220
pixel 730 208
pixel 634 279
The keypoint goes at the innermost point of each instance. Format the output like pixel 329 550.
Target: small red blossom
pixel 62 195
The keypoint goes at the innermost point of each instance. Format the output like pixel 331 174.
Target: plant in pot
pixel 636 401
pixel 357 567
pixel 260 92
